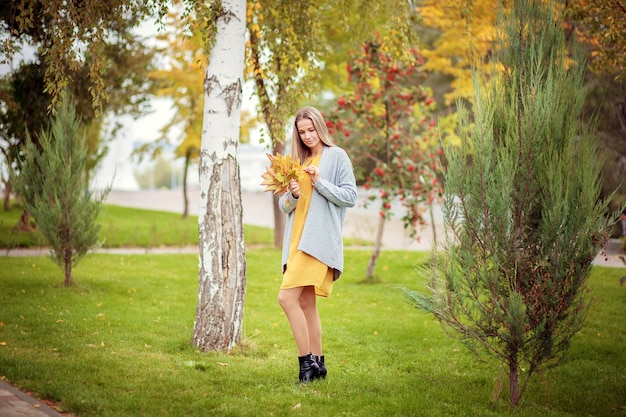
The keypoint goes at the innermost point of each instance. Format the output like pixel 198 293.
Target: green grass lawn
pixel 118 343
pixel 119 226
pixel 129 227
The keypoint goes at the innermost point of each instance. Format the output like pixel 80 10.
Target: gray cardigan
pixel 333 193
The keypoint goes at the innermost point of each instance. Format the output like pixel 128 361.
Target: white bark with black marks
pixel 222 274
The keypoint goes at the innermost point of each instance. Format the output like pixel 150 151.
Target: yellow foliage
pixel 282 170
pixel 602 25
pixel 374 82
pixel 378 108
pixel 467 30
pixel 187 60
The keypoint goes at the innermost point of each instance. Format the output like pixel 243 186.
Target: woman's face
pixel 309 136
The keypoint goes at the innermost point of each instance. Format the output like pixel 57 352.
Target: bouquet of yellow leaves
pixel 282 170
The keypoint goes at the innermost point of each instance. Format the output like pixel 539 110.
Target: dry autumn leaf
pixel 282 170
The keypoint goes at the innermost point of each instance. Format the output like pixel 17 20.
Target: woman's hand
pixel 294 187
pixel 314 172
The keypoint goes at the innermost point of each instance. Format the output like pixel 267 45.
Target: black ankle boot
pixel 320 362
pixel 308 368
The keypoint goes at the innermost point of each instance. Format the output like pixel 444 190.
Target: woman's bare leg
pixel 314 325
pixel 289 301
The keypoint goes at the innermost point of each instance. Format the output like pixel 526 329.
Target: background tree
pixel 184 56
pixel 522 204
pixel 55 189
pixel 66 32
pixel 459 34
pixel 464 31
pixel 297 52
pixel 23 109
pixel 282 50
pixel 222 277
pixel 186 60
pixel 465 37
pixel 387 127
pixel 26 102
pixel 158 175
pixel 601 25
pixel 353 23
pixel 22 92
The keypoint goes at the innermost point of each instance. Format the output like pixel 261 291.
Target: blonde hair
pixel 299 151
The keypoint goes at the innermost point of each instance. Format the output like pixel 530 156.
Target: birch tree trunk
pixel 222 275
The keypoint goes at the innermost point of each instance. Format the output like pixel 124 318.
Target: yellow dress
pixel 303 269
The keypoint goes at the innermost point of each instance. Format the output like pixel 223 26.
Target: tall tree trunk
pixel 8 187
pixel 222 275
pixel 24 224
pixel 377 245
pixel 513 379
pixel 275 124
pixel 67 267
pixel 432 224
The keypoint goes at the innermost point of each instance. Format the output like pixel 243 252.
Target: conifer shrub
pixel 522 211
pixel 53 182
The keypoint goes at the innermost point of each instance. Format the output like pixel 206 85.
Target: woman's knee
pixel 287 299
pixel 307 299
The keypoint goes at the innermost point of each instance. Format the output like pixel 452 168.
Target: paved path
pixel 15 403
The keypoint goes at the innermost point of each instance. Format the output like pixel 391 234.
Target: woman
pixel 312 256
